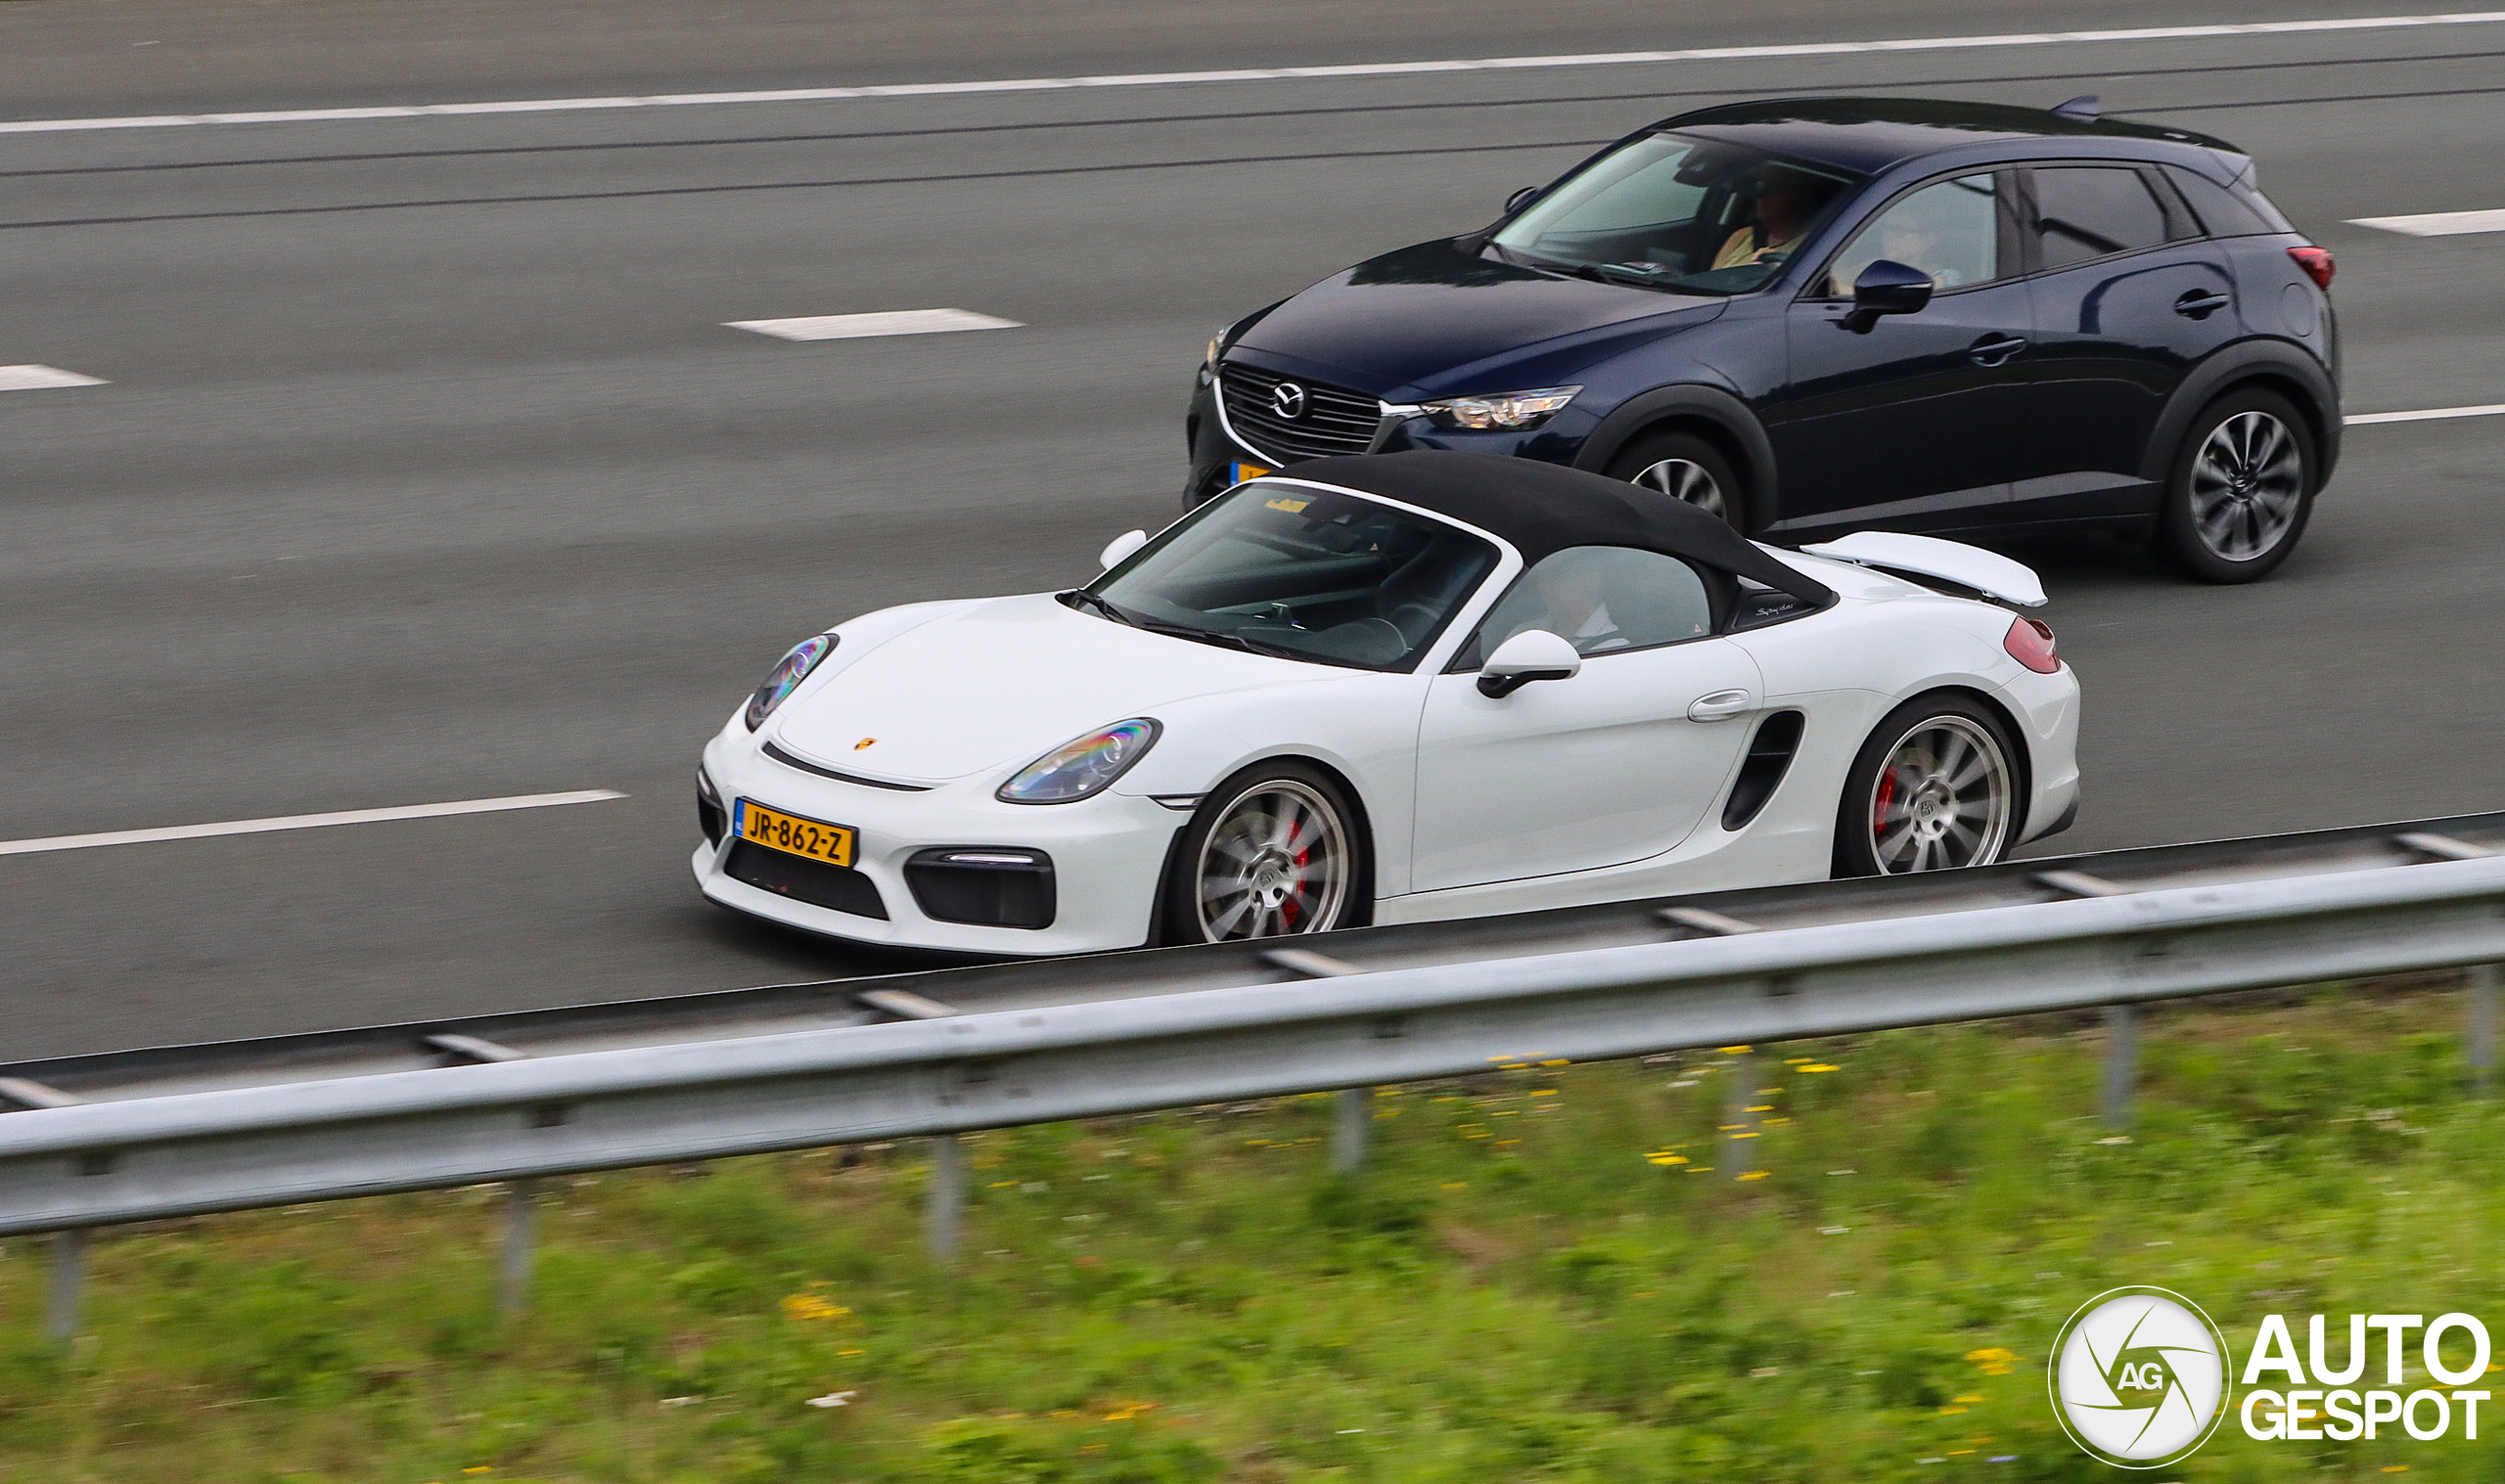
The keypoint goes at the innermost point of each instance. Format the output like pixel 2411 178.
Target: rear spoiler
pixel 1987 572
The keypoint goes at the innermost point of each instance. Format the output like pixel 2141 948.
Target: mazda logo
pixel 1287 399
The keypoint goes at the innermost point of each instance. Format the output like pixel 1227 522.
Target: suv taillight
pixel 2317 263
pixel 2030 641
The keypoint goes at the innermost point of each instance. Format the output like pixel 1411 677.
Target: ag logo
pixel 2139 1378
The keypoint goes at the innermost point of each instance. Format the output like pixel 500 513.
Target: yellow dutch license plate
pixel 775 830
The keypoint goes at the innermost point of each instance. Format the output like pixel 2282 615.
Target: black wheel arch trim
pixel 1647 410
pixel 2275 365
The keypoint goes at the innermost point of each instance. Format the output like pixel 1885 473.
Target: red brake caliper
pixel 1879 805
pixel 1288 908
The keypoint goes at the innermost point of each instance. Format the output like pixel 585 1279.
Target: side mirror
pixel 1532 655
pixel 1522 198
pixel 1886 287
pixel 1119 547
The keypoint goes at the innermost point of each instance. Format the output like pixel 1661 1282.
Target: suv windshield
pixel 1669 211
pixel 1303 572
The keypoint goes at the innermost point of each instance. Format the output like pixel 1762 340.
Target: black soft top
pixel 1545 508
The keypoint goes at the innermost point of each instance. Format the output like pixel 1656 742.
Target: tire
pixel 2240 489
pixel 1687 467
pixel 1238 872
pixel 1905 809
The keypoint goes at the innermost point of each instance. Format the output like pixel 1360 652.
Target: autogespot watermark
pixel 2140 1378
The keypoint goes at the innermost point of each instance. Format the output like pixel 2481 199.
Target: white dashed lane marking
pixel 38 378
pixel 306 821
pixel 2435 223
pixel 2428 413
pixel 1271 75
pixel 854 327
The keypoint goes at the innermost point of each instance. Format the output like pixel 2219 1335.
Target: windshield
pixel 1301 572
pixel 1667 212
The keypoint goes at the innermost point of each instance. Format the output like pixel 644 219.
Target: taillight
pixel 2030 641
pixel 2317 263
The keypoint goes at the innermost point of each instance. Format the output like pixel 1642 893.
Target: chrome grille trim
pixel 1337 421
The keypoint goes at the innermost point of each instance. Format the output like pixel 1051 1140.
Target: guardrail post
pixel 2480 1041
pixel 947 1196
pixel 1353 1129
pixel 1737 1120
pixel 68 1270
pixel 513 1270
pixel 2121 1063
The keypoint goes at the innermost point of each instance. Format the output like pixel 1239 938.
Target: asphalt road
pixel 427 471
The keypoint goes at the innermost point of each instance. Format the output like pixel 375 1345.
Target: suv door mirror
pixel 1121 546
pixel 1522 198
pixel 1532 655
pixel 1886 287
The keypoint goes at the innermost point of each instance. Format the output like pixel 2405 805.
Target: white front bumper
pixel 1108 853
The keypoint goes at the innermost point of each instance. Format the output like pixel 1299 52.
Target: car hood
pixel 1428 321
pixel 1001 683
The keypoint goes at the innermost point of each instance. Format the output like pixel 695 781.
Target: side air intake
pixel 1770 758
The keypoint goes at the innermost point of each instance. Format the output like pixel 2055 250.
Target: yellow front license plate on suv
pixel 772 827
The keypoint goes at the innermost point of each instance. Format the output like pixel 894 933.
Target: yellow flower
pixel 1820 1066
pixel 1950 1412
pixel 1753 1175
pixel 1456 1185
pixel 1665 1157
pixel 1733 1051
pixel 1970 1401
pixel 1992 1359
pixel 808 1306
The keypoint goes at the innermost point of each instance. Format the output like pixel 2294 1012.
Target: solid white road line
pixel 2437 223
pixel 307 820
pixel 1270 75
pixel 37 378
pixel 854 327
pixel 2428 413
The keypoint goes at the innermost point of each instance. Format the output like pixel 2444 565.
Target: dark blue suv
pixel 1814 314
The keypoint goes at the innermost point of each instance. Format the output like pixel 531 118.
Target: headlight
pixel 1209 359
pixel 785 677
pixel 1084 767
pixel 1505 409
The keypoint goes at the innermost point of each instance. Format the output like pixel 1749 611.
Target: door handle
pixel 1993 350
pixel 2200 303
pixel 1719 705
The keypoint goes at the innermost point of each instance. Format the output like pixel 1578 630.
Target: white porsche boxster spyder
pixel 1392 689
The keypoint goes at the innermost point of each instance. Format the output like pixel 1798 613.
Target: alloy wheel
pixel 1278 861
pixel 1941 801
pixel 2247 485
pixel 1688 480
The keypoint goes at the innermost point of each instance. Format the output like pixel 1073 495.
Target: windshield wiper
pixel 1081 594
pixel 1214 636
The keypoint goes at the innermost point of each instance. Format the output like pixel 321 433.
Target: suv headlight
pixel 1504 409
pixel 1084 767
pixel 785 677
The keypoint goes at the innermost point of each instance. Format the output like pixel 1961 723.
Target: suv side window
pixel 1950 229
pixel 2084 212
pixel 2224 213
pixel 1604 599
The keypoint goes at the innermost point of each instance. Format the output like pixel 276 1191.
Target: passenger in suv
pixel 1814 314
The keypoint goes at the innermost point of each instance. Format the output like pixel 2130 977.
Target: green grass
pixel 1524 1286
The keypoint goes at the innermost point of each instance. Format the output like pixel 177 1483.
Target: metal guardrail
pixel 326 1056
pixel 511 1118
